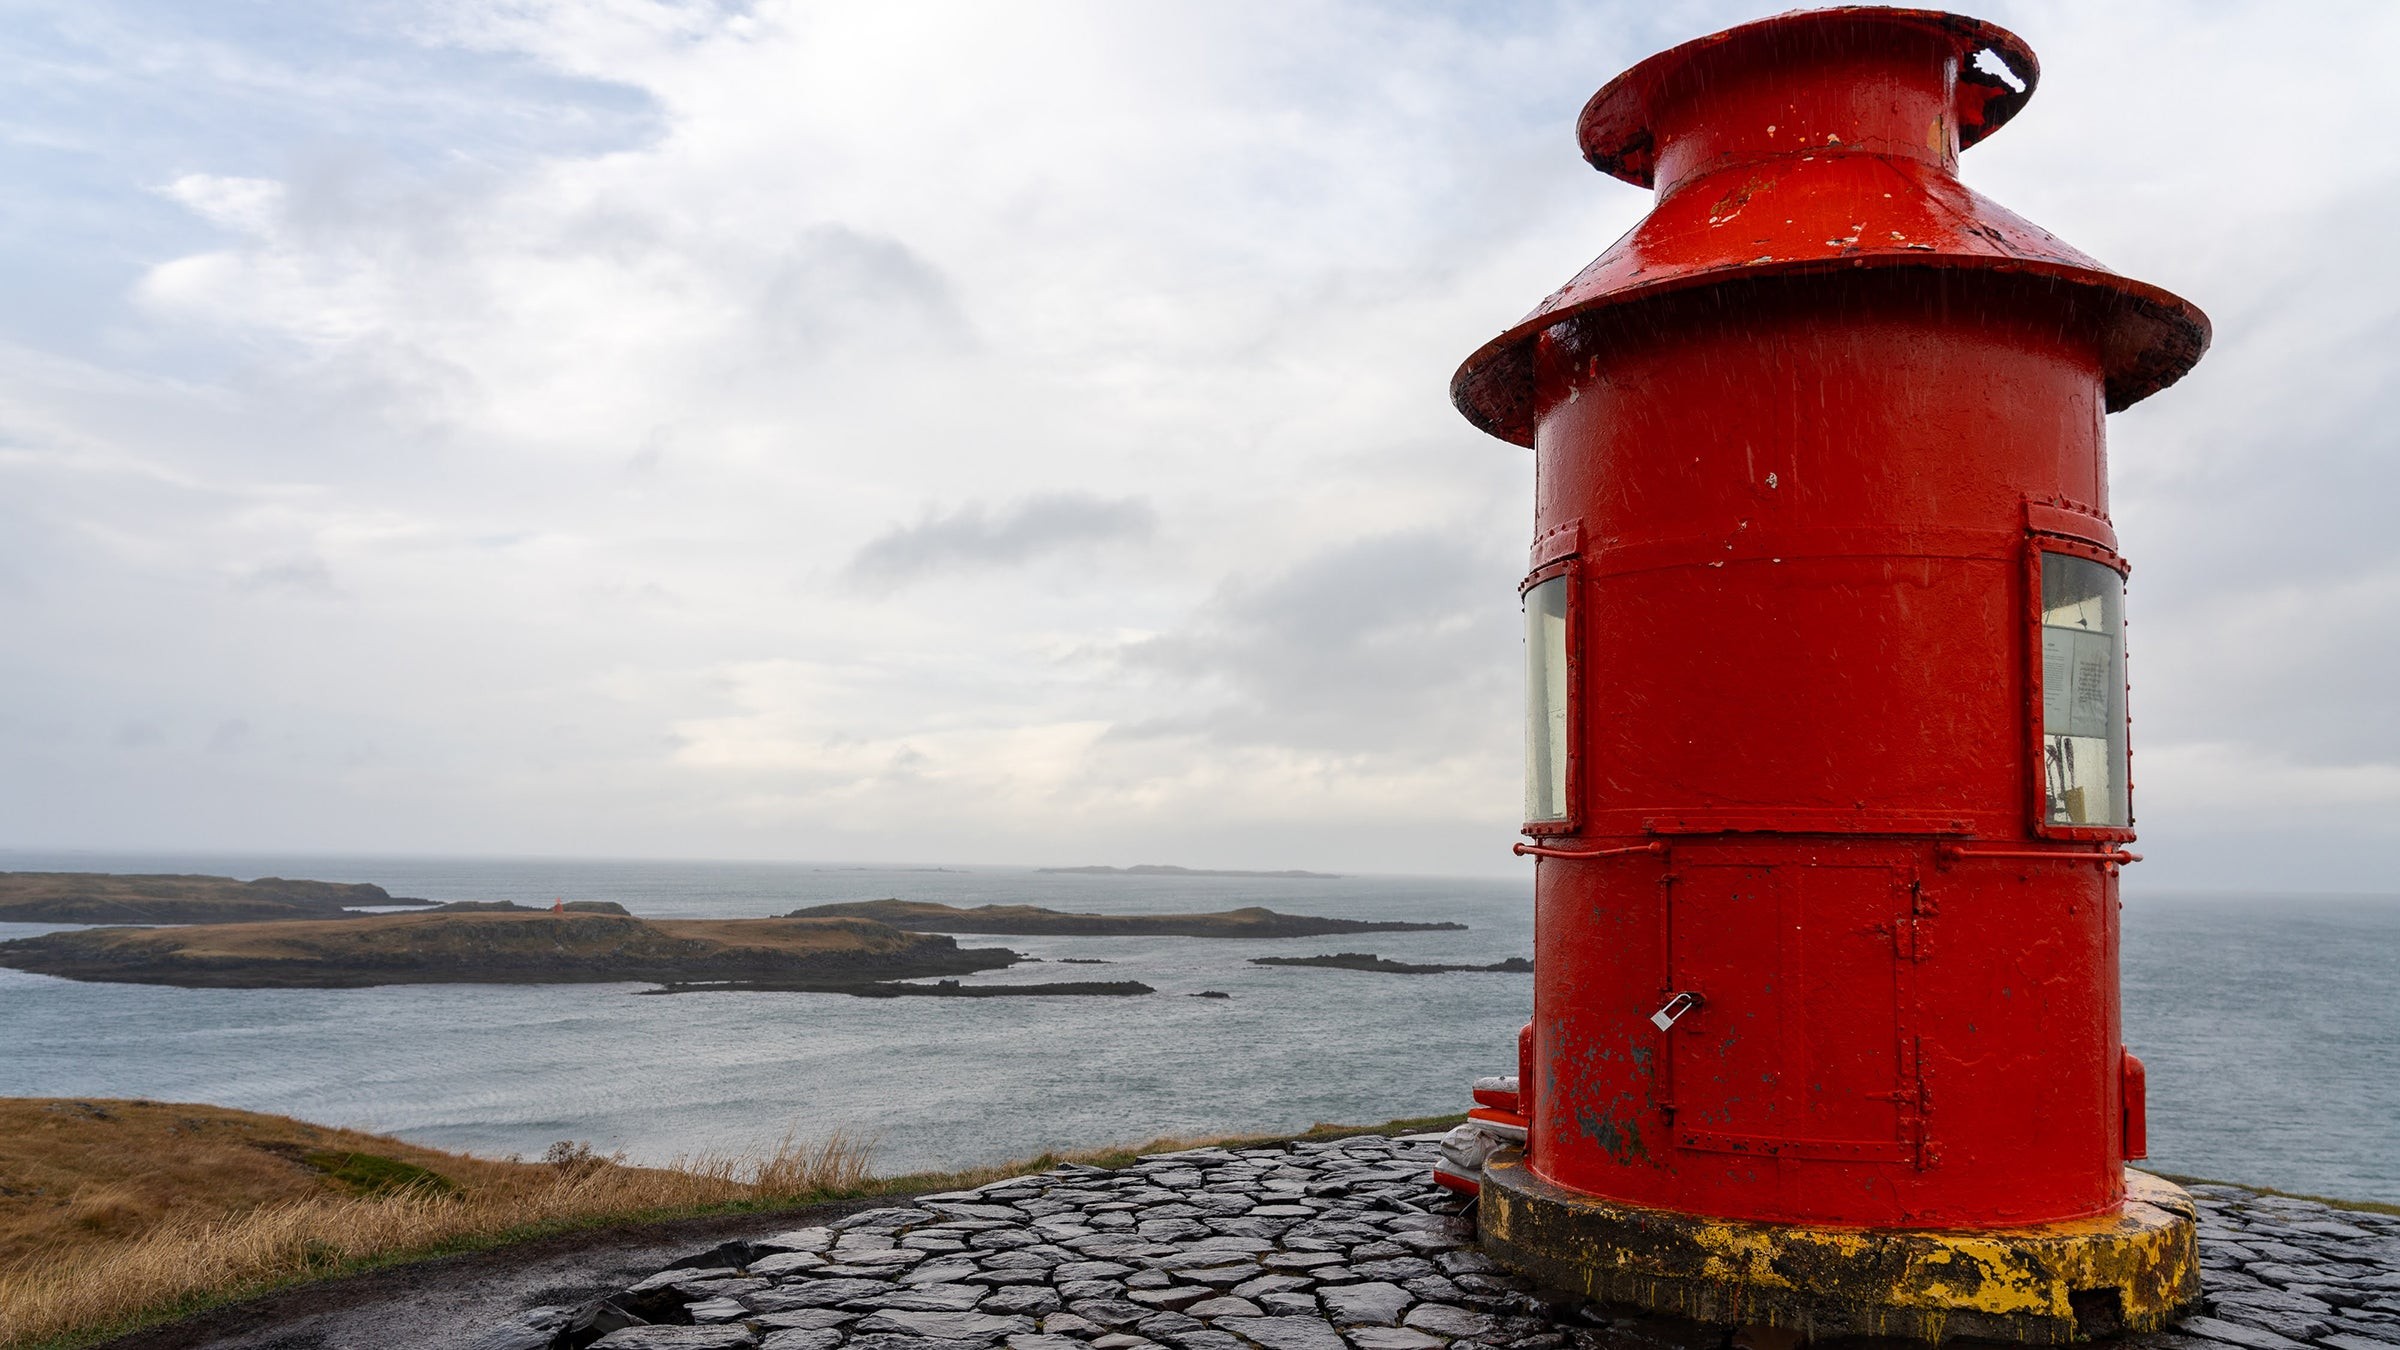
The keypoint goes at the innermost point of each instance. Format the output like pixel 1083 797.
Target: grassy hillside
pixel 494 947
pixel 113 1211
pixel 74 1173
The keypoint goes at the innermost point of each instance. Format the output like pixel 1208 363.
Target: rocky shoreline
pixel 1515 965
pixel 924 916
pixel 481 946
pixel 1170 870
pixel 1315 1245
pixel 897 989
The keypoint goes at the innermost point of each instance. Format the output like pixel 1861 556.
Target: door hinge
pixel 1912 940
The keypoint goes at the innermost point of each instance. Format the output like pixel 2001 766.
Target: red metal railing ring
pixel 1954 852
pixel 1537 851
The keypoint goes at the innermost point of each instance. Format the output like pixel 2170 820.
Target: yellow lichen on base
pixel 2135 1269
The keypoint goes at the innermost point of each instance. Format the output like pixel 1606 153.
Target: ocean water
pixel 2270 1029
pixel 2269 1026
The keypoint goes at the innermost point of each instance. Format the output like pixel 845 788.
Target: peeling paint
pixel 1619 1140
pixel 2010 1284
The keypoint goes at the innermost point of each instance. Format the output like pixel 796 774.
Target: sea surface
pixel 2269 1025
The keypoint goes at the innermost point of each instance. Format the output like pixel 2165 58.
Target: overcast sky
pixel 1017 432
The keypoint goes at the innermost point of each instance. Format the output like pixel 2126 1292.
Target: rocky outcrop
pixel 937 989
pixel 1515 965
pixel 923 916
pixel 1170 870
pixel 512 907
pixel 506 947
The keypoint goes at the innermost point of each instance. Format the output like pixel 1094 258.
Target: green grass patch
pixel 367 1174
pixel 2363 1206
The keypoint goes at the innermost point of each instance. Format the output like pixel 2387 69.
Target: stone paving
pixel 2280 1273
pixel 1316 1245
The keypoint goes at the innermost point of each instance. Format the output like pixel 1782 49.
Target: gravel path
pixel 1319 1245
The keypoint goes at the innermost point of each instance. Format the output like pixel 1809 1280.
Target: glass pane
pixel 2083 693
pixel 1546 701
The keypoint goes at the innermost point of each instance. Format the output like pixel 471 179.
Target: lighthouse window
pixel 1546 701
pixel 2084 770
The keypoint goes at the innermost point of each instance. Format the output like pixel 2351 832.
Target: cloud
pixel 300 576
pixel 251 206
pixel 975 537
pixel 837 287
pixel 574 346
pixel 232 737
pixel 1397 643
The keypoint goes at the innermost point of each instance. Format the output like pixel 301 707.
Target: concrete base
pixel 2048 1284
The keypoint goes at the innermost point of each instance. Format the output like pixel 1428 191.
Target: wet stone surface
pixel 2279 1273
pixel 1323 1245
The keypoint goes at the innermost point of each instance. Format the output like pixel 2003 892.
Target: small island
pixel 903 989
pixel 512 907
pixel 1169 870
pixel 474 945
pixel 1515 965
pixel 924 916
pixel 101 897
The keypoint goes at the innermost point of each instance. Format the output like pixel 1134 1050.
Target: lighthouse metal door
pixel 1798 1046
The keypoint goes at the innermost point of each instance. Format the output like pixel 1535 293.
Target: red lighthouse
pixel 1828 771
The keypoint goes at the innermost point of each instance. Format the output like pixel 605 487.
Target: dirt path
pixel 449 1302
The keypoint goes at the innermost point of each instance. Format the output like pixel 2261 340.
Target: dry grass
pixel 109 1242
pixel 117 1214
pixel 78 1173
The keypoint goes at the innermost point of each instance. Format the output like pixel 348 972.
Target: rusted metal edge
pixel 2133 1268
